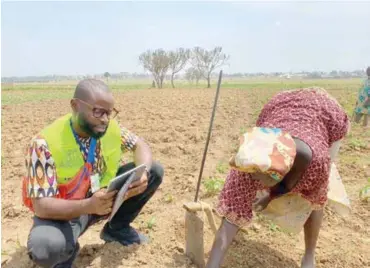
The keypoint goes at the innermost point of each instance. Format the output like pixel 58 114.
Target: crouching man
pixel 69 164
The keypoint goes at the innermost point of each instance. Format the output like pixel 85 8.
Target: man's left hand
pixel 137 187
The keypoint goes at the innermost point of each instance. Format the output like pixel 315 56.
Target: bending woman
pixel 315 122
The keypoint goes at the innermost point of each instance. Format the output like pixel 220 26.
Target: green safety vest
pixel 66 152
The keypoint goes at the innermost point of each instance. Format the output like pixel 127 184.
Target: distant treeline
pixel 127 75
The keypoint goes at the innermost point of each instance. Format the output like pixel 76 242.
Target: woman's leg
pixel 366 120
pixel 311 234
pixel 313 223
pixel 358 117
pixel 223 239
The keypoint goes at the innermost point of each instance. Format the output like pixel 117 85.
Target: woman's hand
pixel 261 203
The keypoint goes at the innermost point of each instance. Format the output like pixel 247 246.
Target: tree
pixel 206 61
pixel 192 74
pixel 107 75
pixel 178 60
pixel 334 73
pixel 157 62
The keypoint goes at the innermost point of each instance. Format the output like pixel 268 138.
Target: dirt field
pixel 175 123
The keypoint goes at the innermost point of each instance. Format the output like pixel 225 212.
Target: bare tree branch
pixel 206 61
pixel 178 60
pixel 157 62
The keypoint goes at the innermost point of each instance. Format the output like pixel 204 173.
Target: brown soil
pixel 175 124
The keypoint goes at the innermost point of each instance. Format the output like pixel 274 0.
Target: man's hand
pixel 101 202
pixel 137 187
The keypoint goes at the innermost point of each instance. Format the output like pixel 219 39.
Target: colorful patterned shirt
pixel 40 163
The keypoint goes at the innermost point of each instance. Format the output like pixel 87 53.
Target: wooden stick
pixel 209 136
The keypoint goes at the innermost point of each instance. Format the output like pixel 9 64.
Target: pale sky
pixel 42 38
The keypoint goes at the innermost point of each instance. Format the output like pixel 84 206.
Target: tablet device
pixel 121 183
pixel 117 182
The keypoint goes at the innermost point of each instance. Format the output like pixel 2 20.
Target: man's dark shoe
pixel 126 236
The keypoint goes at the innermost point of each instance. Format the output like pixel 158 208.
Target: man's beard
pixel 89 128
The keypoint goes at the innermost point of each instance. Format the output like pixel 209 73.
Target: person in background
pixel 69 164
pixel 362 108
pixel 287 154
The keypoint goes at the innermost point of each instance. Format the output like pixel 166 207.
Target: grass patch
pixel 356 143
pixel 32 94
pixel 262 89
pixel 8 98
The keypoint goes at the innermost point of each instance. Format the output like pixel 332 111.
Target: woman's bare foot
pixel 308 261
pixel 261 203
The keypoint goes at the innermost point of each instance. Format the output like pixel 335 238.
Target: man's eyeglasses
pixel 98 112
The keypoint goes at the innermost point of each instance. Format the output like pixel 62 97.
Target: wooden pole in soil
pixel 209 136
pixel 194 225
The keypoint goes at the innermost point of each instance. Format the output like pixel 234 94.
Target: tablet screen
pixel 122 184
pixel 117 182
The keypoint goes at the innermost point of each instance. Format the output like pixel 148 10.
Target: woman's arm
pixel 301 162
pixel 334 151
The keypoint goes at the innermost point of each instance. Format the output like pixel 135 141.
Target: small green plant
pixel 243 130
pixel 222 167
pixel 213 185
pixel 18 242
pixel 168 198
pixel 365 192
pixel 273 227
pixel 151 223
